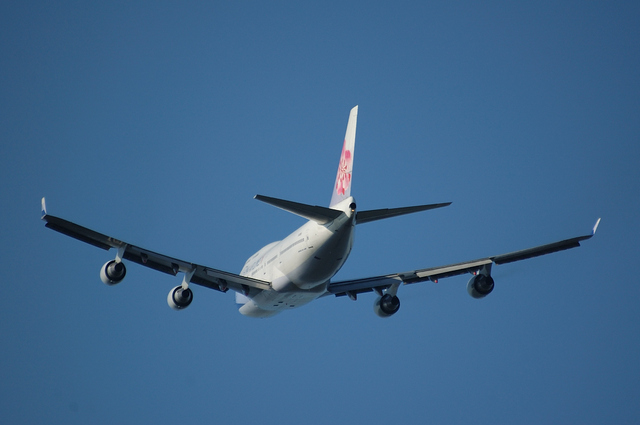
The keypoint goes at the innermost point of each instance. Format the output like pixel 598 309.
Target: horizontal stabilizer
pixel 320 215
pixel 373 215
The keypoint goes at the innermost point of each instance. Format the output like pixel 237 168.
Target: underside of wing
pixel 200 275
pixel 379 283
pixel 358 286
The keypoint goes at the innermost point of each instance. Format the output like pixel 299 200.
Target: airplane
pixel 298 269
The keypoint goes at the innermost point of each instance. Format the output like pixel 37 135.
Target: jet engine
pixel 386 305
pixel 480 286
pixel 112 272
pixel 179 298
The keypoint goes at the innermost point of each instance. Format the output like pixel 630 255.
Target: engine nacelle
pixel 386 305
pixel 480 286
pixel 112 272
pixel 179 298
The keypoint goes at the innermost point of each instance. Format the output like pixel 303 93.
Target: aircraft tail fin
pixel 342 186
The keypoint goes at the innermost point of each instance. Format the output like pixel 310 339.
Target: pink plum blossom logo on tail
pixel 343 181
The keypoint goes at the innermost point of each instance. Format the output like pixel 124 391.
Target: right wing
pixel 380 283
pixel 202 275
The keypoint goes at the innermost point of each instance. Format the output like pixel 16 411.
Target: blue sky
pixel 157 122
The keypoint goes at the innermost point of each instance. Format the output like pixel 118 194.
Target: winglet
pixel 593 232
pixel 44 208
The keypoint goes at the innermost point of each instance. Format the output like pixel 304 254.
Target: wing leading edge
pixel 379 283
pixel 202 275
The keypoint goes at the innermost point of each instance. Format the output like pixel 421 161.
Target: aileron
pixel 80 233
pixel 543 249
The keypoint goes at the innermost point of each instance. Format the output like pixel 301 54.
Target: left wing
pixel 200 275
pixel 380 283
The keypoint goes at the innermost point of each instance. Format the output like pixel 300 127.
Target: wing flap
pixel 383 282
pixel 436 273
pixel 359 286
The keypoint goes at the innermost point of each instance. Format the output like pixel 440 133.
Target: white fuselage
pixel 300 266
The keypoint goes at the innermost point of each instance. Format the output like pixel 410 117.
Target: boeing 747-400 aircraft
pixel 298 269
